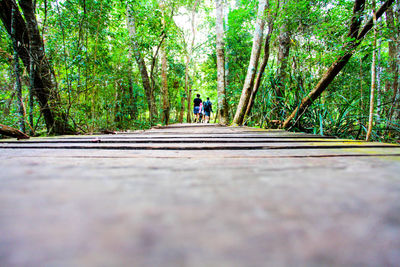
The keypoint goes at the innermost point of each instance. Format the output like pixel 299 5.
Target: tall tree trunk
pixel 29 41
pixel 154 85
pixel 187 92
pixel 373 76
pixel 164 90
pixel 142 66
pixel 221 90
pixel 117 107
pixel 397 110
pixel 378 84
pixel 361 95
pixel 392 85
pixel 165 93
pixel 283 54
pixel 226 18
pixel 188 57
pixel 31 91
pixel 253 64
pixel 133 108
pixel 262 66
pixel 94 90
pixel 17 73
pixel 182 111
pixel 337 66
pixel 52 102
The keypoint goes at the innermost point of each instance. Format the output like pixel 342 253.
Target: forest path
pixel 199 195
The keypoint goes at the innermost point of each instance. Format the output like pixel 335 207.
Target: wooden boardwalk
pixel 199 195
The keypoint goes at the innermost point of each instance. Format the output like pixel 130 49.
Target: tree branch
pixel 9 131
pixel 337 66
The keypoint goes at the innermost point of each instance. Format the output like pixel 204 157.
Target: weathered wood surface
pixel 199 195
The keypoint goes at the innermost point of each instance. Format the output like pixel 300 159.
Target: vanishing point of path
pixel 199 195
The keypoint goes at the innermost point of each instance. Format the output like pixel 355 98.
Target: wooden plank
pixel 178 140
pixel 188 135
pixel 234 199
pixel 197 146
pixel 6 154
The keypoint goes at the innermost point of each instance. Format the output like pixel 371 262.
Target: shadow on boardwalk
pixel 199 195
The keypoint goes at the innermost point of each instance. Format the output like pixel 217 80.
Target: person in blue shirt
pixel 207 106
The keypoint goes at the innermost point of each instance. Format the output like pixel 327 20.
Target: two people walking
pixel 202 111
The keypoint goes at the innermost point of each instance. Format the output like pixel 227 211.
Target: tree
pixel 282 61
pixel 373 75
pixel 165 93
pixel 392 84
pixel 29 42
pixel 354 40
pixel 142 65
pixel 222 106
pixel 253 64
pixel 17 73
pixel 264 63
pixel 189 45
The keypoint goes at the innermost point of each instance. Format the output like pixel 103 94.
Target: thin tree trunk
pixel 94 91
pixel 397 99
pixel 221 90
pixel 188 59
pixel 253 64
pixel 361 94
pixel 142 65
pixel 262 66
pixel 378 84
pixel 177 110
pixel 31 91
pixel 337 66
pixel 392 69
pixel 283 54
pixel 182 111
pixel 133 109
pixel 392 85
pixel 17 73
pixel 373 76
pixel 117 109
pixel 154 85
pixel 190 96
pixel 226 18
pixel 164 91
pixel 187 92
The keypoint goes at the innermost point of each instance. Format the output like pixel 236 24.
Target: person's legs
pixel 207 117
pixel 196 113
